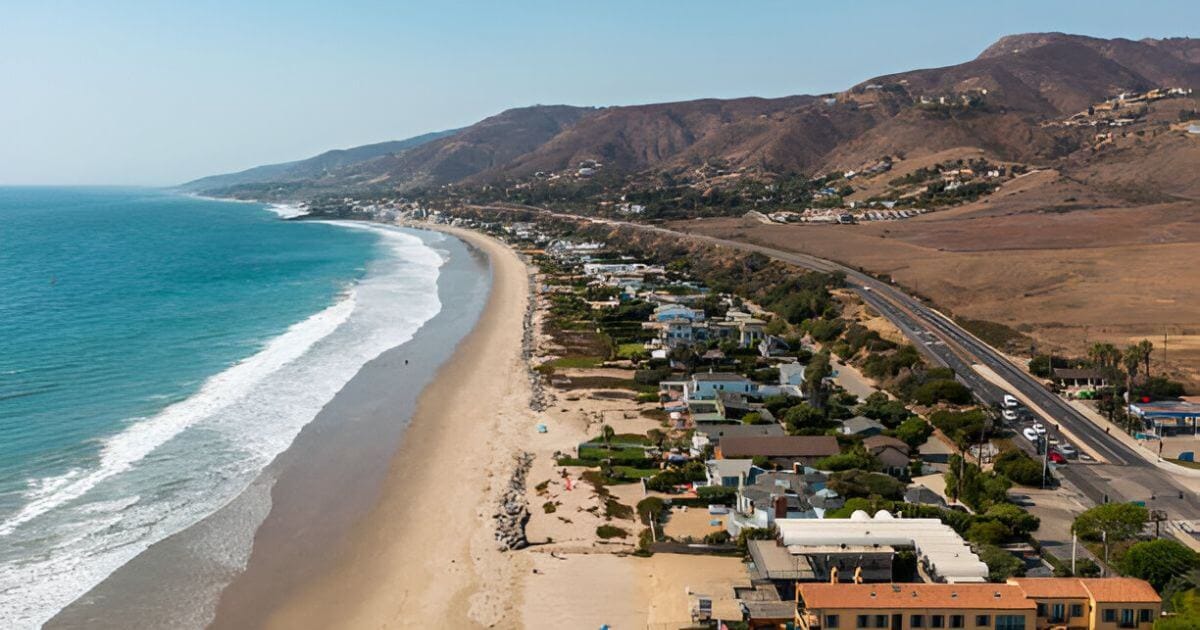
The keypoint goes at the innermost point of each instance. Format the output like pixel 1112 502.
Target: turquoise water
pixel 156 352
pixel 116 302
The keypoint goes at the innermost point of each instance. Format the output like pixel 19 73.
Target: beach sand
pixel 424 556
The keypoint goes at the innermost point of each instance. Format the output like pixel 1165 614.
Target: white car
pixel 1039 428
pixel 1068 451
pixel 1010 402
pixel 1030 434
pixel 1009 415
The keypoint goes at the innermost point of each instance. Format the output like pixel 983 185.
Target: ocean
pixel 157 352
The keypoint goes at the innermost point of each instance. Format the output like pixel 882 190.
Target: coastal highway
pixel 1122 475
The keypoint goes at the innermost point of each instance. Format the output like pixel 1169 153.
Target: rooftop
pixel 903 596
pixel 780 446
pixel 718 376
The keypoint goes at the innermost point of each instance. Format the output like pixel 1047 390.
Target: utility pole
pixel 1044 444
pixel 1074 544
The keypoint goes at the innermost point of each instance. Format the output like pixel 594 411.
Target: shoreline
pixel 424 554
pixel 310 494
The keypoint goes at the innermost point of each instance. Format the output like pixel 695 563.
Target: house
pixel 892 453
pixel 920 495
pixel 733 406
pixel 730 473
pixel 666 312
pixel 785 450
pixel 706 385
pixel 861 426
pixel 1072 378
pixel 773 495
pixel 706 434
pixel 791 374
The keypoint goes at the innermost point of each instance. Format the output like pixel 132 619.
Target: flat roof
pixel 776 563
pixel 780 446
pixel 1166 409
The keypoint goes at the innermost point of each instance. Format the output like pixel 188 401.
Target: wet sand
pixel 291 523
pixel 423 556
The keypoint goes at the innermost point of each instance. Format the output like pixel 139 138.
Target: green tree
pixel 1120 521
pixel 1001 564
pixel 1158 561
pixel 1018 520
pixel 988 533
pixel 606 435
pixel 913 431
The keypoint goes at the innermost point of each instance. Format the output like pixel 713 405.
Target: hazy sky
pixel 124 92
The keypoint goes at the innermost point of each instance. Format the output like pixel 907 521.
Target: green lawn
pixel 576 362
pixel 630 350
pixel 1195 465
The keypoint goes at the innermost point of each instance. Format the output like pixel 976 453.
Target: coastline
pixel 310 495
pixel 424 555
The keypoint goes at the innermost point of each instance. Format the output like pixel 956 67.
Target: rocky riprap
pixel 537 387
pixel 513 512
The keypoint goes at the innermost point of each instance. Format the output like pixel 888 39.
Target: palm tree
pixel 1146 348
pixel 606 434
pixel 1132 361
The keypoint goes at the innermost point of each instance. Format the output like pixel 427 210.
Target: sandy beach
pixel 425 556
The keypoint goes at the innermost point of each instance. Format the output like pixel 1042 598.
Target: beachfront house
pixel 785 451
pixel 861 426
pixel 706 386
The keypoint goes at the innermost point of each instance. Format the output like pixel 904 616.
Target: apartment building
pixel 1019 604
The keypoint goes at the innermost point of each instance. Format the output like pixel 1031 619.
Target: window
pixel 863 621
pixel 831 621
pixel 983 621
pixel 916 621
pixel 1127 618
pixel 956 621
pixel 881 621
pixel 937 621
pixel 1010 622
pixel 1110 615
pixel 1144 615
pixel 1076 610
pixel 1041 610
pixel 1057 613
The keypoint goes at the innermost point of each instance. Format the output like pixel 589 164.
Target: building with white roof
pixel 945 556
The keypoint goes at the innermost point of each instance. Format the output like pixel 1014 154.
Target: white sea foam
pixel 287 210
pixel 165 473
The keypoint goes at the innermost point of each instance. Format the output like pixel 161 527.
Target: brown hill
pixel 996 102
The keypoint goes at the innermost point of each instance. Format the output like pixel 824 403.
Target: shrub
pixel 858 483
pixel 1001 564
pixel 988 533
pixel 940 390
pixel 717 494
pixel 610 531
pixel 1019 467
pixel 1158 561
pixel 913 432
pixel 717 538
pixel 1015 518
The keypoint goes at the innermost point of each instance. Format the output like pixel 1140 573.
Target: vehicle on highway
pixel 1057 457
pixel 1009 415
pixel 1039 428
pixel 1010 402
pixel 1030 434
pixel 1067 451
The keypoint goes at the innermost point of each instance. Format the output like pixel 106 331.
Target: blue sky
pixel 125 92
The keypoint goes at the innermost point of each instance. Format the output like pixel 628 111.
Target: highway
pixel 1124 474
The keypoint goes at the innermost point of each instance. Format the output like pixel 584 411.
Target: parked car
pixel 1009 415
pixel 1039 428
pixel 1057 457
pixel 1030 434
pixel 1010 402
pixel 1068 451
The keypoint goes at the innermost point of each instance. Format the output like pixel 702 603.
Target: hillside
pixel 1002 103
pixel 314 168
